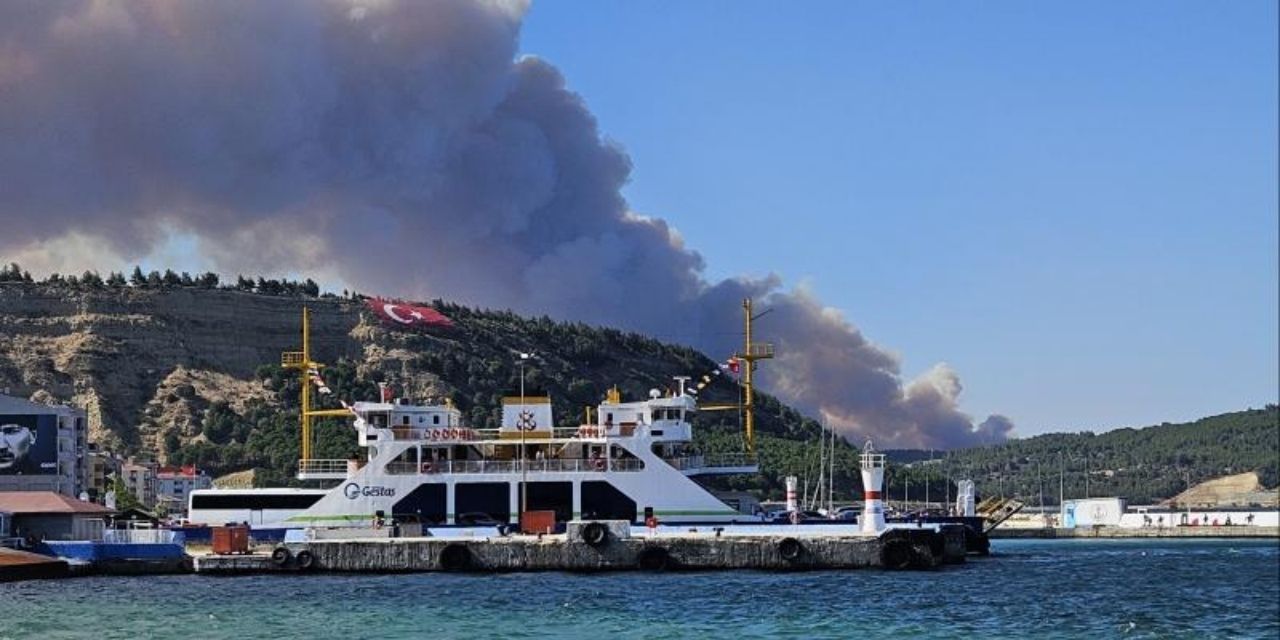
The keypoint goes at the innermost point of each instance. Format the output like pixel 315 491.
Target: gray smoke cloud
pixel 403 148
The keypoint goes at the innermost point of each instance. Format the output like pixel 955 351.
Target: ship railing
pixel 712 461
pixel 319 466
pixel 550 465
pixel 142 536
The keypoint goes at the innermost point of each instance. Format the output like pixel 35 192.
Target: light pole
pixel 524 460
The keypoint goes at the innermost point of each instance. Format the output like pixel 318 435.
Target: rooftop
pixel 23 502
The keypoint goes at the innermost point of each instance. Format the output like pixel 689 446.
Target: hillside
pixel 1143 465
pixel 186 369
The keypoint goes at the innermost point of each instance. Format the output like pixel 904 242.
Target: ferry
pixel 635 462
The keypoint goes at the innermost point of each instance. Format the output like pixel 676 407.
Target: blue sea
pixel 1027 589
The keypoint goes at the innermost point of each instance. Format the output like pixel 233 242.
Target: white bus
pixel 260 508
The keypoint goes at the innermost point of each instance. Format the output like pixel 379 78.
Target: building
pixel 174 484
pixel 140 480
pixel 35 516
pixel 101 469
pixel 42 447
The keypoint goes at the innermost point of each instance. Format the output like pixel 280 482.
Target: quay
pixel 599 546
pixel 1137 532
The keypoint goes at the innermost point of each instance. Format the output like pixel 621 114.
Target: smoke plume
pixel 400 147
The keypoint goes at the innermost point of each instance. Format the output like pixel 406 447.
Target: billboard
pixel 1092 512
pixel 28 444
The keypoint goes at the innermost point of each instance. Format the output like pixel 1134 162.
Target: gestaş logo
pixel 353 491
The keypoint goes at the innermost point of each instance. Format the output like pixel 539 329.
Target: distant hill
pixel 185 369
pixel 1143 465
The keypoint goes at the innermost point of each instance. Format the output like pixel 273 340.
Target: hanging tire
pixel 280 556
pixel 790 549
pixel 653 559
pixel 595 534
pixel 895 554
pixel 305 560
pixel 455 557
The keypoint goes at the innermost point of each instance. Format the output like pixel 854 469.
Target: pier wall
pixel 1143 532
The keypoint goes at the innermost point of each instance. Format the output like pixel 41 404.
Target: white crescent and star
pixel 389 309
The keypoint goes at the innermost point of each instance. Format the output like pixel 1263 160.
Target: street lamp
pixel 524 460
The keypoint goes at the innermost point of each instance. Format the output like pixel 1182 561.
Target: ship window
pixel 492 499
pixel 435 419
pixel 550 496
pixel 254 501
pixel 405 421
pixel 608 418
pixel 603 501
pixel 425 504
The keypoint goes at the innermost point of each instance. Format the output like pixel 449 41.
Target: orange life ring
pixel 598 464
pixel 427 468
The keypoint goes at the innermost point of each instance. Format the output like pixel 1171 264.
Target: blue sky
pixel 1073 204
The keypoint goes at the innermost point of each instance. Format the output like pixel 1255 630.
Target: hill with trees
pixel 185 369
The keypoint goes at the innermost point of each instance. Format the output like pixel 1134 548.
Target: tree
pixel 137 279
pixel 124 497
pixel 115 280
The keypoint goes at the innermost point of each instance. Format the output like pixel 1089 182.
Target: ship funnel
pixel 872 486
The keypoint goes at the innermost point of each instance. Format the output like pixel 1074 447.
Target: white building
pixel 140 480
pixel 174 484
pixel 42 447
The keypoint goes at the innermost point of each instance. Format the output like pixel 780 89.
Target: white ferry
pixel 634 461
pixel 422 466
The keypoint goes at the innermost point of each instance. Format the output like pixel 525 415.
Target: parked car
pixel 477 519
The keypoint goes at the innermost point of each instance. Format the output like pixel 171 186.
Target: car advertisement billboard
pixel 28 444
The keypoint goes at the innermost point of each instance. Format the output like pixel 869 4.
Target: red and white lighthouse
pixel 872 485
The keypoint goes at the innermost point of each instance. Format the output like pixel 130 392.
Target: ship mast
pixel 302 362
pixel 751 351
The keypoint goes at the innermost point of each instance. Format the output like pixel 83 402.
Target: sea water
pixel 1026 589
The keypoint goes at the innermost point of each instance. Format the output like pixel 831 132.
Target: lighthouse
pixel 792 505
pixel 872 484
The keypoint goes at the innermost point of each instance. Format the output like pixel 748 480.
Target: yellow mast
pixel 301 361
pixel 751 352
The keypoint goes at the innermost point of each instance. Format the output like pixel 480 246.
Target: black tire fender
pixel 595 534
pixel 281 556
pixel 305 559
pixel 790 549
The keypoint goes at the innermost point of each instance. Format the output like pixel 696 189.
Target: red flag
pixel 733 365
pixel 408 316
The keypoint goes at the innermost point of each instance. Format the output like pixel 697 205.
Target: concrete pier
pixel 1135 532
pixel 592 550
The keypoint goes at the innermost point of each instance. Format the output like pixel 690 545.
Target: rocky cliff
pixel 149 362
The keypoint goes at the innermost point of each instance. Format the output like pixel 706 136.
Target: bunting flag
pixel 731 365
pixel 314 374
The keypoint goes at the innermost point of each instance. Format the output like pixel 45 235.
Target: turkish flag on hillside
pixel 408 316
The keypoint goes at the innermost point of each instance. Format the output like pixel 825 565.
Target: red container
pixel 227 540
pixel 538 522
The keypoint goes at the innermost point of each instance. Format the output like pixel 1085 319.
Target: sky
pixel 1072 204
pixel 1059 216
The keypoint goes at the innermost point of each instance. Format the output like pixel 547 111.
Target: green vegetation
pixel 474 365
pixel 1141 465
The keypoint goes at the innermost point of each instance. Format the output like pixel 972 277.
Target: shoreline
pixel 1203 532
